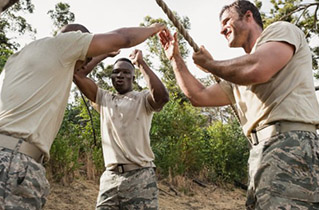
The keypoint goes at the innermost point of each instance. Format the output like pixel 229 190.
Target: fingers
pixel 166 38
pixel 159 27
pixel 132 55
pixel 136 56
pixel 135 52
pixel 163 38
pixel 113 54
pixel 175 36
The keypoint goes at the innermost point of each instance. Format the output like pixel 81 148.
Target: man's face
pixel 122 77
pixel 233 28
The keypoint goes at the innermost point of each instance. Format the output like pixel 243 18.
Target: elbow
pixel 164 99
pixel 166 96
pixel 78 75
pixel 194 103
pixel 75 78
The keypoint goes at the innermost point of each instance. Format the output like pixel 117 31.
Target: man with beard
pixel 272 87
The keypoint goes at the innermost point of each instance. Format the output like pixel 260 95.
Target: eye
pixel 225 22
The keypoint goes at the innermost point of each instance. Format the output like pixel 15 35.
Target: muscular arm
pixel 198 94
pixel 159 95
pixel 121 38
pixel 249 69
pixel 85 84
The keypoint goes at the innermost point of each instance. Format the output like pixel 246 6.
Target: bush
pixel 226 152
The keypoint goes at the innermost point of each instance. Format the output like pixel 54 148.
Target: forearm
pixel 136 35
pixel 92 64
pixel 120 38
pixel 86 86
pixel 190 86
pixel 158 90
pixel 242 70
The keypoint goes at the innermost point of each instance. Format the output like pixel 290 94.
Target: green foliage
pixel 75 143
pixel 4 55
pixel 12 23
pixel 176 133
pixel 61 16
pixel 226 152
pixel 66 147
pixel 156 50
pixel 185 143
pixel 185 140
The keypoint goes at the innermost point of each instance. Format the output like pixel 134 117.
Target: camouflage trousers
pixel 284 172
pixel 131 190
pixel 23 185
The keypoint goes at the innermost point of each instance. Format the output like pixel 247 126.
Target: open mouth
pixel 228 34
pixel 119 82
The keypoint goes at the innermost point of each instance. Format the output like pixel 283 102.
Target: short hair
pixel 242 6
pixel 74 27
pixel 125 60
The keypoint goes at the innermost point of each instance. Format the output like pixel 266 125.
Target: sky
pixel 101 16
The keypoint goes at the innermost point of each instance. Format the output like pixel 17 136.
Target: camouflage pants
pixel 23 185
pixel 131 190
pixel 284 172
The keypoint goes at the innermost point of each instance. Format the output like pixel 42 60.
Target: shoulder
pixel 282 31
pixel 73 36
pixel 102 96
pixel 281 26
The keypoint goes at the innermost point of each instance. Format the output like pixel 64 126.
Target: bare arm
pixel 159 95
pixel 85 84
pixel 249 69
pixel 121 38
pixel 6 4
pixel 198 94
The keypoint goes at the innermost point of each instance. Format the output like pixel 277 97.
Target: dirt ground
pixel 81 195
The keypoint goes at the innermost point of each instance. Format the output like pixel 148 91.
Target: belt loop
pixel 41 159
pixel 254 138
pixel 121 168
pixel 278 127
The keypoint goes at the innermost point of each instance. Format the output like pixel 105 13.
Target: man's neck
pixel 252 38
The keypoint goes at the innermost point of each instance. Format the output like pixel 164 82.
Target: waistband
pixel 267 131
pixel 122 168
pixel 26 148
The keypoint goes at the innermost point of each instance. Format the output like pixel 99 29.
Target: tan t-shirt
pixel 35 86
pixel 125 126
pixel 288 95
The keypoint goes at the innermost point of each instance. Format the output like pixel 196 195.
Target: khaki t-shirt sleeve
pixel 282 32
pixel 99 99
pixel 73 46
pixel 227 87
pixel 148 107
